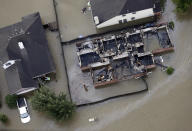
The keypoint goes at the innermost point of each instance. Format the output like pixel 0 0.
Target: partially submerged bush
pixel 3 118
pixel 11 101
pixel 56 106
pixel 170 70
pixel 182 6
pixel 171 25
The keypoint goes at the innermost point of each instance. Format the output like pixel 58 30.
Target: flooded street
pixel 165 107
pixel 72 22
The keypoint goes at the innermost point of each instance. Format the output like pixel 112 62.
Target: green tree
pixel 62 109
pixel 56 106
pixel 3 118
pixel 42 98
pixel 182 5
pixel 11 101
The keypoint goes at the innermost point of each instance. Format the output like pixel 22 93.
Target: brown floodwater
pixel 165 107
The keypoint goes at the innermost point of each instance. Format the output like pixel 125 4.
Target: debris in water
pixel 84 10
pixel 93 119
pixel 84 86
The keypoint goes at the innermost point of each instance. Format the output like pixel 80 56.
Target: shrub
pixel 3 118
pixel 170 70
pixel 182 6
pixel 11 101
pixel 171 25
pixel 56 106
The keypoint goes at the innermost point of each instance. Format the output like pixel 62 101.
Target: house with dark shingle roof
pixel 113 12
pixel 25 53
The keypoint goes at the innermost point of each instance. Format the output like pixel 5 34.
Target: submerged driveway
pixel 72 22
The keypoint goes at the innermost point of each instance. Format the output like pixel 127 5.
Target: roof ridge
pixel 32 21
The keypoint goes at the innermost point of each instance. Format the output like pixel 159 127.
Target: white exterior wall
pixel 137 15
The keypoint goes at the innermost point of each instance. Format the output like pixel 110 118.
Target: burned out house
pixel 103 76
pixel 25 54
pixel 108 13
pixel 88 56
pixel 122 55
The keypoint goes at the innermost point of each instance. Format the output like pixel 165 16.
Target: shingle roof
pixel 107 9
pixel 18 79
pixel 34 59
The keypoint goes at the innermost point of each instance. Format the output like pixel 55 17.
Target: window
pixel 132 18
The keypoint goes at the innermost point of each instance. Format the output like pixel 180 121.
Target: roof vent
pixel 8 64
pixel 21 46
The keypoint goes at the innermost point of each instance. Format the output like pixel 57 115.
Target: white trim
pixel 85 51
pixel 123 55
pixel 144 54
pixel 26 91
pixel 99 64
